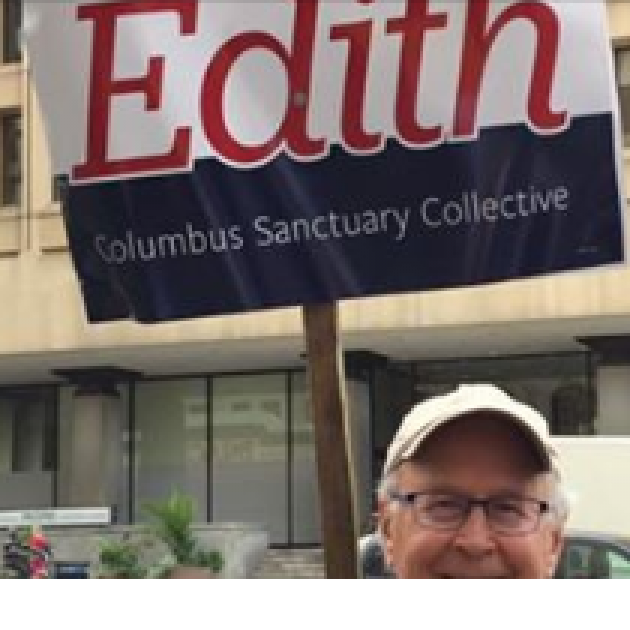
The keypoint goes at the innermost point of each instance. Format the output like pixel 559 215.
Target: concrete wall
pixel 35 270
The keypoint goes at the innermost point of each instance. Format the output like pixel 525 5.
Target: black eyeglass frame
pixel 409 499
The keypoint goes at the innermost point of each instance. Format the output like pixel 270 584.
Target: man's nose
pixel 475 535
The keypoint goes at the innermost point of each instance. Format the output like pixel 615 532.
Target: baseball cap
pixel 428 416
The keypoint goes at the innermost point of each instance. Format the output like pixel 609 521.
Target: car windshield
pixel 595 556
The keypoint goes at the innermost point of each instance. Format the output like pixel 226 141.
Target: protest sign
pixel 231 156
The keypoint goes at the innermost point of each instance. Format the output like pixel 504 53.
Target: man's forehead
pixel 470 479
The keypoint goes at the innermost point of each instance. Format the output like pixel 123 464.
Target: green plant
pixel 171 521
pixel 120 559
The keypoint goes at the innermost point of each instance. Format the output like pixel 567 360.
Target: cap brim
pixel 542 445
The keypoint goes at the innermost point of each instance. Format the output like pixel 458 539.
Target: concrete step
pixel 279 564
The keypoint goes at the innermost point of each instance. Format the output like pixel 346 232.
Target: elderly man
pixel 471 489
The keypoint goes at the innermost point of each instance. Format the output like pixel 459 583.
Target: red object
pixel 38 563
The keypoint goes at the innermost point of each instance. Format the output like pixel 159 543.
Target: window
pixel 250 451
pixel 28 448
pixel 171 442
pixel 622 69
pixel 11 132
pixel 558 385
pixel 593 560
pixel 619 565
pixel 305 498
pixel 11 22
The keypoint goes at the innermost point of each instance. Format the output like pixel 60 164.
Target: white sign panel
pixel 56 517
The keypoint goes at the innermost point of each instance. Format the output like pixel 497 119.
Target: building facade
pixel 115 414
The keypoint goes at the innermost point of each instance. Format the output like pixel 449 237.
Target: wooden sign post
pixel 334 468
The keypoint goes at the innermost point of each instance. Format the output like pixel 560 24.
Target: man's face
pixel 479 456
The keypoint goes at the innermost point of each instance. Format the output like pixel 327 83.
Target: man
pixel 471 489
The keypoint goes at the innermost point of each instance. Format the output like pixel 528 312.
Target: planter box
pixel 242 545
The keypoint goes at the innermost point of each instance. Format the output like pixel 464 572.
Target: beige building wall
pixel 41 310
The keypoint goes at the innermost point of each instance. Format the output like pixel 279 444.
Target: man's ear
pixel 385 528
pixel 557 546
pixel 382 516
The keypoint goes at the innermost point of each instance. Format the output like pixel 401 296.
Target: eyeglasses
pixel 506 514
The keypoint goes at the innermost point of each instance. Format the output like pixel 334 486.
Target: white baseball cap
pixel 428 416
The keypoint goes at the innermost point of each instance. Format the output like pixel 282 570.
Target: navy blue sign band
pixel 220 240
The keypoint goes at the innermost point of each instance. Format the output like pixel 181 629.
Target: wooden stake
pixel 329 409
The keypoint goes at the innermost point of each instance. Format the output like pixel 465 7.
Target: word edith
pixel 293 135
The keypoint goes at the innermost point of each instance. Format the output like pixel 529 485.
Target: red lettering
pixel 359 36
pixel 297 63
pixel 103 86
pixel 477 47
pixel 413 28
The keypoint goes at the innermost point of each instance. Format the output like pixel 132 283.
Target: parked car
pixel 372 557
pixel 594 555
pixel 589 555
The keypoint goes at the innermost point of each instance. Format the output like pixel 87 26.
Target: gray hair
pixel 560 499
